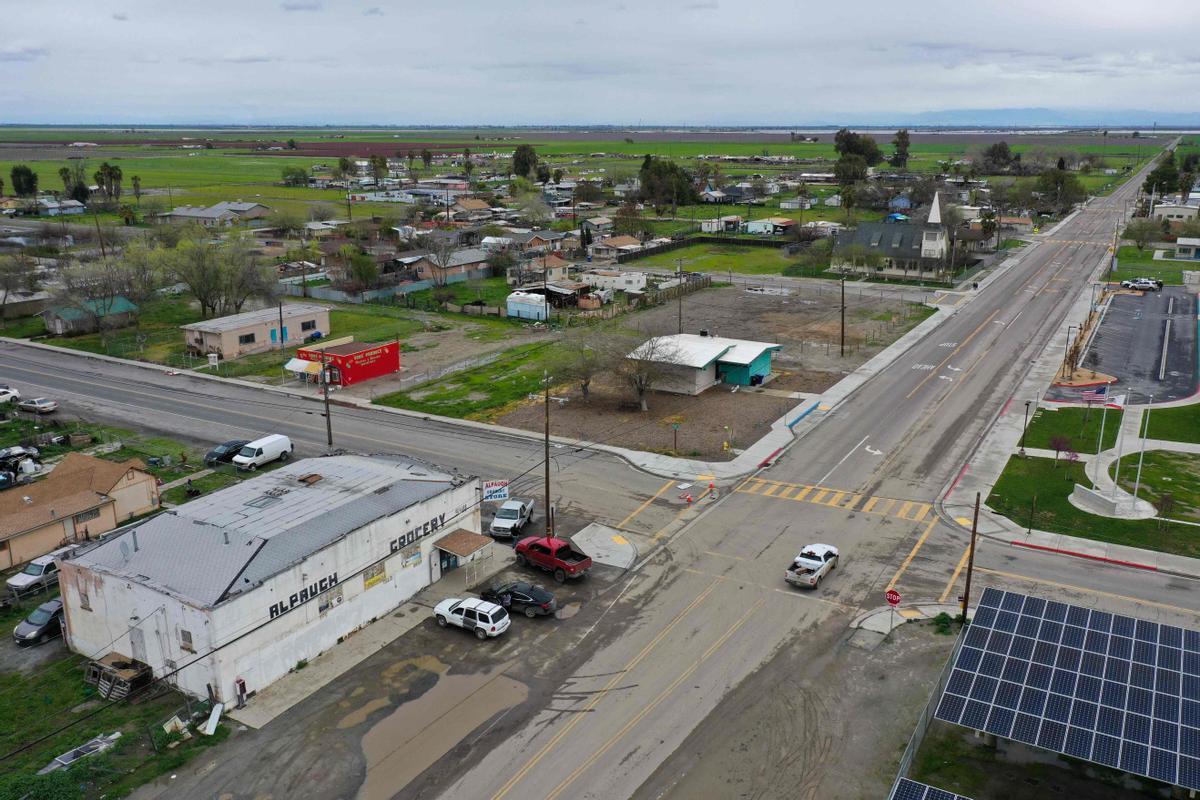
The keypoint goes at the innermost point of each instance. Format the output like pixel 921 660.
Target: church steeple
pixel 935 210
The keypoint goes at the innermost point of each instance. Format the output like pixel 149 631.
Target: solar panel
pixel 906 789
pixel 1097 686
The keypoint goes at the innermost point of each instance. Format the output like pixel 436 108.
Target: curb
pixel 1088 556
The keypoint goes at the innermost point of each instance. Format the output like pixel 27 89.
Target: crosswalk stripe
pixel 820 494
pixel 836 499
pixel 783 493
pixel 770 490
pixel 870 504
pixel 853 502
pixel 804 493
pixel 903 512
pixel 921 516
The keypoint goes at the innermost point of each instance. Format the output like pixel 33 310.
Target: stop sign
pixel 893 597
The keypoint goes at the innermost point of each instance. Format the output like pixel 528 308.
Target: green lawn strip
pixel 1012 244
pixel 1163 472
pixel 492 291
pixel 24 327
pixel 1024 478
pixel 1134 263
pixel 706 257
pixel 1046 423
pixel 205 483
pixel 478 392
pixel 1177 424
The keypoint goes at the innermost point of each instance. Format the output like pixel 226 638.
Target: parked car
pixel 17 452
pixel 557 556
pixel 483 618
pixel 511 518
pixel 814 563
pixel 1142 284
pixel 224 452
pixel 253 455
pixel 9 394
pixel 38 405
pixel 44 623
pixel 528 598
pixel 38 574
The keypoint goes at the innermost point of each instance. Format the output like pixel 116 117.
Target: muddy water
pixel 406 742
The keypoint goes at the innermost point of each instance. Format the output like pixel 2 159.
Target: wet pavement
pixel 1129 346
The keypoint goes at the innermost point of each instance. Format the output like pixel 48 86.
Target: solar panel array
pixel 1101 687
pixel 911 790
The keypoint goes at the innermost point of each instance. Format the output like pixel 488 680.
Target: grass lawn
pixel 480 393
pixel 1176 474
pixel 38 704
pixel 492 291
pixel 205 483
pixel 721 258
pixel 1134 263
pixel 1069 422
pixel 1026 478
pixel 1012 244
pixel 1178 424
pixel 23 327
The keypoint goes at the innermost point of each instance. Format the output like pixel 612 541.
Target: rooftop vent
pixel 309 479
pixel 263 501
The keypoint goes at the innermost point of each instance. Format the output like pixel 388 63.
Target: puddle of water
pixel 567 611
pixel 359 715
pixel 406 742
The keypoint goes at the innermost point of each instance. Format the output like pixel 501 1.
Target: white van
pixel 264 451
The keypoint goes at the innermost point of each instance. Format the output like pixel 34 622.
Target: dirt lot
pixel 806 324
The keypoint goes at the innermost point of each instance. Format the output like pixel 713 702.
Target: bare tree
pixel 243 276
pixel 586 353
pixel 94 289
pixel 143 264
pixel 17 273
pixel 196 263
pixel 647 366
pixel 441 251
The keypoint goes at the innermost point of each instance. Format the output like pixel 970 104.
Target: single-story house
pixel 468 262
pixel 834 200
pixel 54 208
pixel 86 317
pixel 242 210
pixel 900 203
pixel 1019 224
pixel 538 241
pixel 711 195
pixel 730 223
pixel 256 331
pixel 597 225
pixel 211 217
pixel 770 226
pixel 1176 212
pixel 613 246
pixel 1187 247
pixel 796 204
pixel 470 208
pixel 694 362
pixel 549 269
pixel 615 279
pixel 82 498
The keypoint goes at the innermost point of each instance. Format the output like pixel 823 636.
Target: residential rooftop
pixel 262 315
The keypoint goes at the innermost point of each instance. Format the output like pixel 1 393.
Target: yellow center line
pixel 953 353
pixel 962 562
pixel 913 553
pixel 645 505
pixel 723 555
pixel 683 676
pixel 1088 590
pixel 797 594
pixel 620 674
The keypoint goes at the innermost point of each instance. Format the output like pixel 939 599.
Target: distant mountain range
pixel 1032 117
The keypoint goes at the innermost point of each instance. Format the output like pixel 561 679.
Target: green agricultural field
pixel 720 258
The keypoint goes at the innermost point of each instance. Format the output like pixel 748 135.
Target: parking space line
pixel 913 553
pixel 620 675
pixel 645 505
pixel 962 562
pixel 722 555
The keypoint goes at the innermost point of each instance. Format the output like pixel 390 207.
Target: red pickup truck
pixel 553 555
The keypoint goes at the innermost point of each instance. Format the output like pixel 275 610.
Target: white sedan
pixel 38 405
pixel 483 618
pixel 9 394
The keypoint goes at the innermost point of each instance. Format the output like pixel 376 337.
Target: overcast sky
pixel 620 62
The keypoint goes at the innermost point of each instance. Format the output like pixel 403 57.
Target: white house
pixel 691 362
pixel 54 208
pixel 244 583
pixel 615 279
pixel 834 200
pixel 1176 212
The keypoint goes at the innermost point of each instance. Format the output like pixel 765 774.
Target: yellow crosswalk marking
pixel 804 493
pixel 870 505
pixel 836 499
pixel 920 517
pixel 903 512
pixel 853 502
pixel 770 490
pixel 888 503
pixel 819 495
pixel 783 493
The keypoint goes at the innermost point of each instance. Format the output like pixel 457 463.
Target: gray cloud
pixel 301 5
pixel 704 5
pixel 373 11
pixel 22 53
pixel 120 16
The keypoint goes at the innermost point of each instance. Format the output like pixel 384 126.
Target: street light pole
pixel 843 334
pixel 1024 427
pixel 325 391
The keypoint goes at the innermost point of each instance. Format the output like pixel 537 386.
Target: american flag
pixel 1095 395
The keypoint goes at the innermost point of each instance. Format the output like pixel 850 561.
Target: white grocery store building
pixel 243 583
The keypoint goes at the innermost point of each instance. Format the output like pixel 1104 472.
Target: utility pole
pixel 679 289
pixel 325 391
pixel 966 598
pixel 282 338
pixel 546 456
pixel 99 236
pixel 843 340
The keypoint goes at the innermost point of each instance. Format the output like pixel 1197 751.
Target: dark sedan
pixel 44 623
pixel 224 452
pixel 528 598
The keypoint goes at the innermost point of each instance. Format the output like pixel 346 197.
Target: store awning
pixel 303 365
pixel 462 543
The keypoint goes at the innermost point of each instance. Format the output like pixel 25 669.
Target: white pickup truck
pixel 511 518
pixel 814 563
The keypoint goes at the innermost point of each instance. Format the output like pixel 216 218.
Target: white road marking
pixel 945 378
pixel 843 461
pixel 873 451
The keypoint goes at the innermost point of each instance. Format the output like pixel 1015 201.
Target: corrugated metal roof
pixel 237 321
pixel 693 350
pixel 255 529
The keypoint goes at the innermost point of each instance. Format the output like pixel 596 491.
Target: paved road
pixel 207 411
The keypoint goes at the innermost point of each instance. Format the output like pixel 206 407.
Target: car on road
pixel 1142 284
pixel 224 452
pixel 38 574
pixel 511 518
pixel 9 394
pixel 44 623
pixel 814 563
pixel 528 598
pixel 253 455
pixel 556 556
pixel 38 405
pixel 482 618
